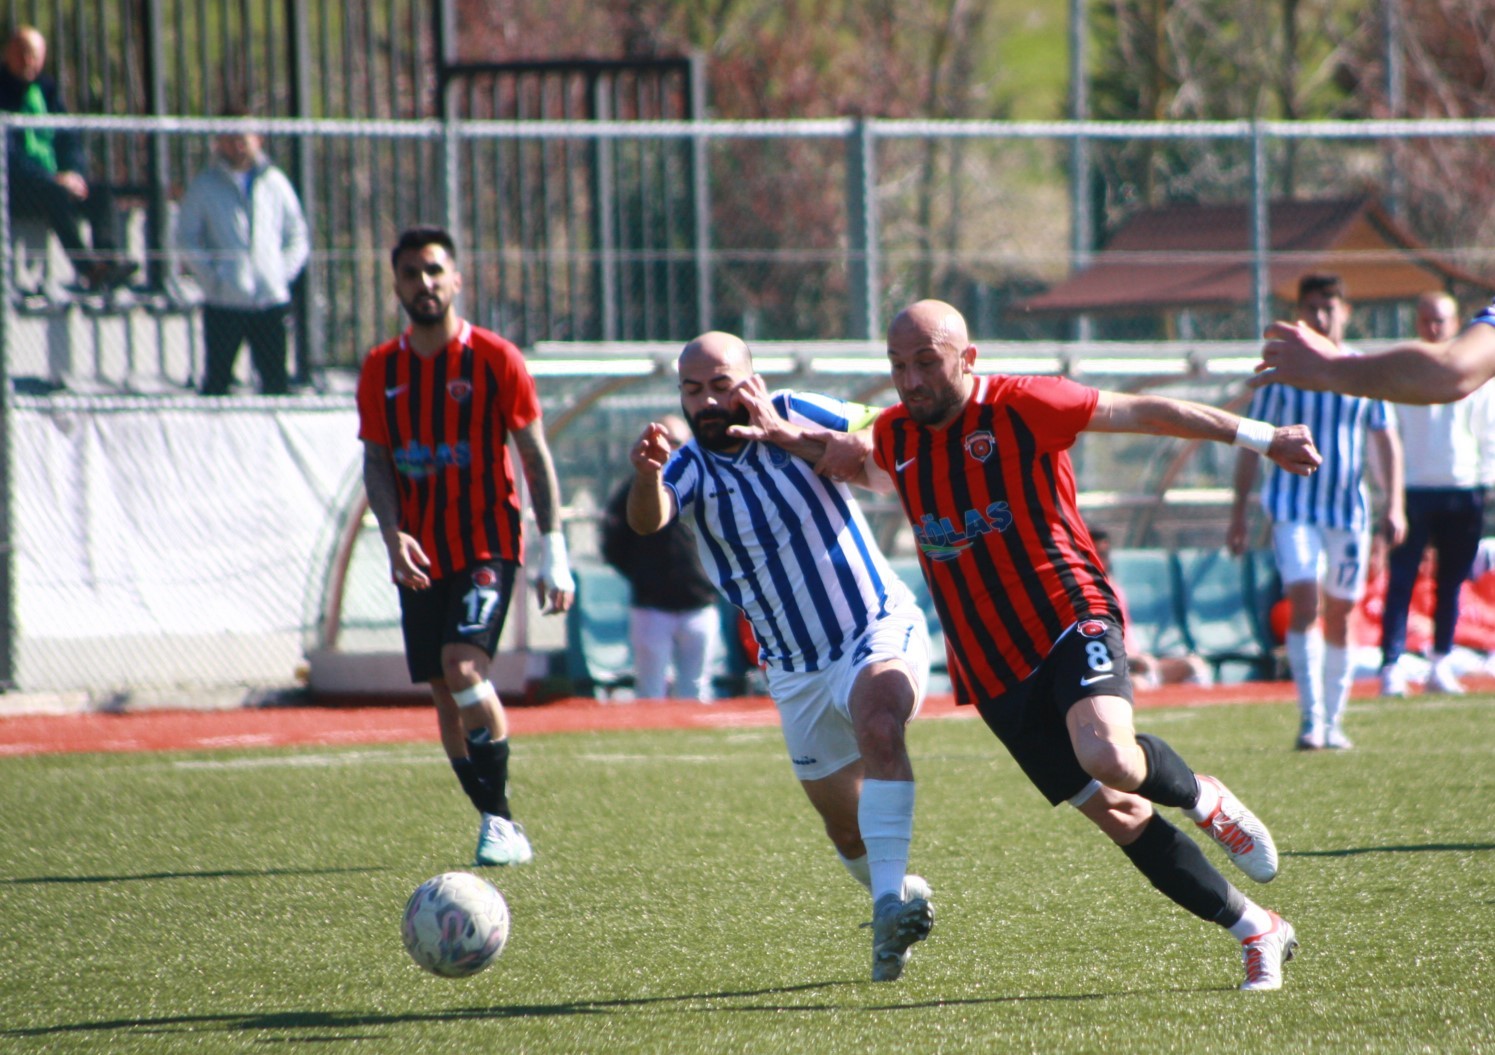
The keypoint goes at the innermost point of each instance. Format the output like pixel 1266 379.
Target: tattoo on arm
pixel 539 475
pixel 382 488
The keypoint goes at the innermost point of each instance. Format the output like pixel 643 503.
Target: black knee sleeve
pixel 1169 780
pixel 1174 864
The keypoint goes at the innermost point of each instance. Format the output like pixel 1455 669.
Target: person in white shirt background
pixel 1447 451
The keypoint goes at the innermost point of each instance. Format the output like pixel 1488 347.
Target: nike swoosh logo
pixel 390 393
pixel 1092 681
pixel 905 464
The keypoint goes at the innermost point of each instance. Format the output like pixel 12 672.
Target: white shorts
pixel 1337 557
pixel 815 706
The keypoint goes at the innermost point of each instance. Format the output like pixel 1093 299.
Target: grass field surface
pixel 683 899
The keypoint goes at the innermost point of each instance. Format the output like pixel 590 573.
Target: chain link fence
pixel 601 246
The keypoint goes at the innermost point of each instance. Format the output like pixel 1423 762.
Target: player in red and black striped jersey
pixel 1033 629
pixel 437 408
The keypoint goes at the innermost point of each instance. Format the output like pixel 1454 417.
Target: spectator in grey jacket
pixel 245 239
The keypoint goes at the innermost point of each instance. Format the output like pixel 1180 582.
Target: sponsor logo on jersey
pixel 981 445
pixel 1092 628
pixel 805 760
pixel 941 540
pixel 418 460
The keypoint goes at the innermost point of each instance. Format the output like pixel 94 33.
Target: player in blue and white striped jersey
pixel 843 642
pixel 1321 526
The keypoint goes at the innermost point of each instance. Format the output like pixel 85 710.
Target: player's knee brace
pixel 483 690
pixel 1169 780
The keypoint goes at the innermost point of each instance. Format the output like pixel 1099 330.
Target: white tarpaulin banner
pixel 173 542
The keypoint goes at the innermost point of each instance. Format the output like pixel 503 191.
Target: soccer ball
pixel 455 924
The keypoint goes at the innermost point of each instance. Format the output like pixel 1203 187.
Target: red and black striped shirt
pixel 991 498
pixel 445 419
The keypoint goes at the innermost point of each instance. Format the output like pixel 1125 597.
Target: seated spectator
pixel 47 170
pixel 1148 671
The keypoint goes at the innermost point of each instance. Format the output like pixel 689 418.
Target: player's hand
pixel 1296 354
pixel 408 564
pixel 555 588
pixel 1394 526
pixel 74 184
pixel 1292 448
pixel 764 423
pixel 1235 534
pixel 845 454
pixel 651 450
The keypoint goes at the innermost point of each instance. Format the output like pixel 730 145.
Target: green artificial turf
pixel 684 899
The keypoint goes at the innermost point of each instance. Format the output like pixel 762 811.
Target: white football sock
pixel 857 866
pixel 1337 678
pixel 886 818
pixel 1255 920
pixel 1209 798
pixel 1305 654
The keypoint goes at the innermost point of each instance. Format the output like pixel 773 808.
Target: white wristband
pixel 554 566
pixel 1254 435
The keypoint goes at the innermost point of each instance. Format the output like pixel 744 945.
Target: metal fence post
pixel 862 262
pixel 605 205
pixel 1082 219
pixel 7 477
pixel 1261 229
pixel 701 197
pixel 303 310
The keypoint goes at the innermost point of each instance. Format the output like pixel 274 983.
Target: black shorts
pixel 1089 660
pixel 467 607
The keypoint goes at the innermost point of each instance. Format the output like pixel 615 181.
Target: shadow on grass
pixel 1423 848
pixel 229 873
pixel 343 1020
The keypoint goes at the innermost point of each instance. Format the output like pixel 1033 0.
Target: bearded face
pixel 710 425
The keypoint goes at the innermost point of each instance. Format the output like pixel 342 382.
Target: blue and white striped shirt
pixel 1334 496
pixel 788 547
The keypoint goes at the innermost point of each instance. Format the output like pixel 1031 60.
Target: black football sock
pixel 1174 864
pixel 473 783
pixel 1169 780
pixel 490 759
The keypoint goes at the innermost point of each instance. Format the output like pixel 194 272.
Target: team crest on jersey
pixel 1092 628
pixel 778 456
pixel 459 389
pixel 484 578
pixel 980 445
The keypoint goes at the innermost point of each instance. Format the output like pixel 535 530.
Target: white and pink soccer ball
pixel 455 924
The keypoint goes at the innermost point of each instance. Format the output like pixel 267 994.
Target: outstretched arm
pixel 843 456
pixel 1414 372
pixel 1291 446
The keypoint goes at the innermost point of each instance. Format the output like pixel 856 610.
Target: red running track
pixel 204 730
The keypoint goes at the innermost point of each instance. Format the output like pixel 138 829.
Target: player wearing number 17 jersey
pixel 1032 627
pixel 437 408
